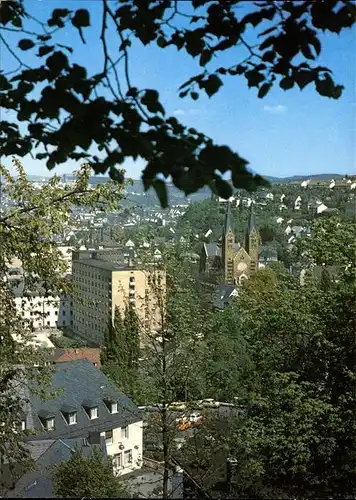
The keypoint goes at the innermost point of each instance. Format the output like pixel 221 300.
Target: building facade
pixel 228 260
pixel 100 286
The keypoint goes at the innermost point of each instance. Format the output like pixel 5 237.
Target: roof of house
pixel 77 382
pixel 222 295
pixel 268 252
pixel 37 483
pixel 72 354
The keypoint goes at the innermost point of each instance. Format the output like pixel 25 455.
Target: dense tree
pixel 90 477
pixel 121 351
pixel 297 439
pixel 30 221
pixel 69 110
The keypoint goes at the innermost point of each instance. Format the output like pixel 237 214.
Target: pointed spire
pixel 227 225
pixel 251 220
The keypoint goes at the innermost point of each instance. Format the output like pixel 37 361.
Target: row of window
pixel 71 417
pixel 121 460
pixel 109 436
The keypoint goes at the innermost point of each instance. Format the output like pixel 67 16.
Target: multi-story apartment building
pixel 101 282
pixel 43 311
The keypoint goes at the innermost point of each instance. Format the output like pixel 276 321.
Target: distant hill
pixel 301 178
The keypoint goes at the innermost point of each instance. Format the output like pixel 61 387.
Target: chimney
pixel 231 472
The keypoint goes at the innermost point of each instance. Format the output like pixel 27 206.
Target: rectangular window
pixel 127 457
pixel 23 425
pixel 93 413
pixel 72 418
pixel 125 432
pixel 117 461
pixel 113 407
pixel 108 437
pixel 50 424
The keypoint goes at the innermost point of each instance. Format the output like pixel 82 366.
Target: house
pixel 92 354
pixel 87 402
pixel 267 255
pixel 222 296
pixel 37 482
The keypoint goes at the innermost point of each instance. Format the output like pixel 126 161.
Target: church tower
pixel 252 241
pixel 227 253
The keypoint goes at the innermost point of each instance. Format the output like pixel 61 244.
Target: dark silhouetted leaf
pixel 44 50
pixel 265 88
pixel 161 190
pixel 223 188
pixel 205 57
pixel 286 83
pixel 212 85
pixel 194 96
pixel 26 44
pixel 81 18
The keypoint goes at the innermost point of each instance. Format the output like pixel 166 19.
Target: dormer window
pixel 93 412
pixel 47 419
pixel 49 424
pixel 113 408
pixel 91 408
pixel 71 418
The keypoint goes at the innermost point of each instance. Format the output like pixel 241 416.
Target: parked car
pixel 185 425
pixel 177 406
pixel 195 418
pixel 209 403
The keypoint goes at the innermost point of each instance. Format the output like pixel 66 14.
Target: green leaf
pixel 26 44
pixel 265 88
pixel 81 19
pixel 212 85
pixel 161 191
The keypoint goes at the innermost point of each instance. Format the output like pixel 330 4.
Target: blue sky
pixel 286 133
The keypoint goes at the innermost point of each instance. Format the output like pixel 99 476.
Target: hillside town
pixel 109 279
pixel 177 249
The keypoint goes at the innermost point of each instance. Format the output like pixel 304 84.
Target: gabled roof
pixel 37 483
pixel 76 382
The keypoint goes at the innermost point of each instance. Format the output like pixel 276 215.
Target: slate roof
pixel 214 250
pixel 222 295
pixel 268 253
pixel 76 382
pixel 37 483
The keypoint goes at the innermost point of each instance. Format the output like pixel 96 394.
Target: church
pixel 228 261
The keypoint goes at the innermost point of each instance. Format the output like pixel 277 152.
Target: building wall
pixel 91 301
pixel 97 291
pixel 48 312
pixel 133 442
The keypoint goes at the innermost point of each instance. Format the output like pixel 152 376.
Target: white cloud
pixel 278 109
pixel 179 112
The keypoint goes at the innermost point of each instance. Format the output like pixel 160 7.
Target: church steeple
pixel 228 241
pixel 227 225
pixel 252 240
pixel 251 220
